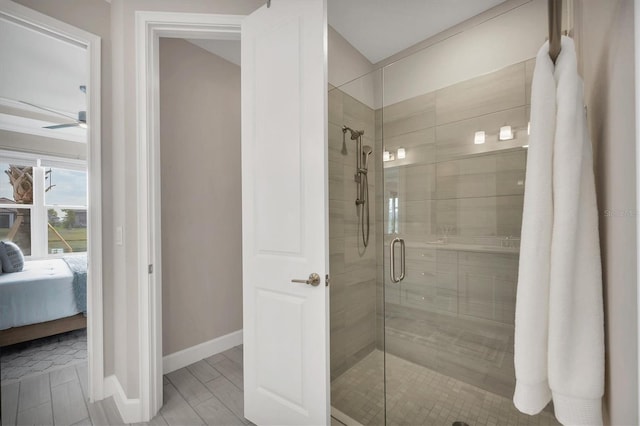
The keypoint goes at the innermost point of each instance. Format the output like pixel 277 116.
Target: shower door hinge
pixel 151 269
pixel 326 280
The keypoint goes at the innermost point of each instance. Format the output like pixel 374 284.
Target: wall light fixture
pixel 506 133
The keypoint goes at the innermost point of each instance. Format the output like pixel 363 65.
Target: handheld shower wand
pixel 366 152
pixel 361 179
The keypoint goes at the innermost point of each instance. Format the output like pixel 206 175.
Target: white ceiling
pixel 381 28
pixel 227 49
pixel 42 70
pixel 46 71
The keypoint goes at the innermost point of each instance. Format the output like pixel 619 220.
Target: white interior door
pixel 284 196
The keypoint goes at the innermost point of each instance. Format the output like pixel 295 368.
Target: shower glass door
pixel 355 226
pixel 429 341
pixel 454 149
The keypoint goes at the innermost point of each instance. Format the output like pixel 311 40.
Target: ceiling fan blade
pixel 61 126
pixel 48 110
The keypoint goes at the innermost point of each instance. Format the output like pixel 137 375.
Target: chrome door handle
pixel 402 262
pixel 392 269
pixel 314 280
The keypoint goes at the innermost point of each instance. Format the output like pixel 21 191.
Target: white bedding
pixel 43 291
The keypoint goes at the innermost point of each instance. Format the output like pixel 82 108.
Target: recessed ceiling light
pixel 479 138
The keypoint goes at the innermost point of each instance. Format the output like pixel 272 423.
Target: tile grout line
pixel 214 395
pixel 53 418
pixel 223 375
pixel 18 403
pixel 85 398
pixel 229 379
pixel 185 399
pixel 221 402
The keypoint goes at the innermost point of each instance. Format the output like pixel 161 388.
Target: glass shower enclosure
pixel 422 317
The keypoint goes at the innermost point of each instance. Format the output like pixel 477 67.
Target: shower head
pixel 366 152
pixel 355 134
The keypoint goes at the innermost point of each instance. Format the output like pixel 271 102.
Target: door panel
pixel 285 235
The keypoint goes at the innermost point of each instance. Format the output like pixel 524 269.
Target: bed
pixel 47 297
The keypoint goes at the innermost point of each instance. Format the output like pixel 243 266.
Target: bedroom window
pixel 16 204
pixel 66 205
pixel 43 209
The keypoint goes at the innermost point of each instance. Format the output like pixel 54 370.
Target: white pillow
pixel 11 257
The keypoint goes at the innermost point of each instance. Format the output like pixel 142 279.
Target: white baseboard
pixel 177 360
pixel 130 409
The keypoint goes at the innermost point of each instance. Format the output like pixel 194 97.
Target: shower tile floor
pixel 420 396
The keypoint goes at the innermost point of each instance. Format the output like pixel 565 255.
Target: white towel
pixel 532 308
pixel 564 357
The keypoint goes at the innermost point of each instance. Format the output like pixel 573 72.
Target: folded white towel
pixel 559 342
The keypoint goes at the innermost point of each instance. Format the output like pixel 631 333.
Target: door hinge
pixel 327 280
pixel 151 269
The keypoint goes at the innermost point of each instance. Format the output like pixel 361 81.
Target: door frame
pixel 63 31
pixel 637 143
pixel 149 27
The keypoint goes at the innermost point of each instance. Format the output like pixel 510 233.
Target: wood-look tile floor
pixel 208 392
pixel 55 398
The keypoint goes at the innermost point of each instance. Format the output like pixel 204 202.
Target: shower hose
pixel 364 190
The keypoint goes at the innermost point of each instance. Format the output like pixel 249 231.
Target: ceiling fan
pixel 79 121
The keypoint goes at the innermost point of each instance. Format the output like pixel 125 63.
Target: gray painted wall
pixel 605 34
pixel 201 195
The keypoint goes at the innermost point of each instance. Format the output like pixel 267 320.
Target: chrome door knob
pixel 314 280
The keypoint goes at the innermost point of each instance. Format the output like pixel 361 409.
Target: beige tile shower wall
pixel 352 267
pixel 447 180
pixel 454 310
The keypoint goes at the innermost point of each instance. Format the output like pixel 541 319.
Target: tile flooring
pixel 209 392
pixel 420 396
pixel 472 350
pixel 42 355
pixel 55 398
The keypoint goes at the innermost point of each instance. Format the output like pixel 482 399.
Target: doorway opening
pixel 200 187
pixel 51 323
pixel 150 28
